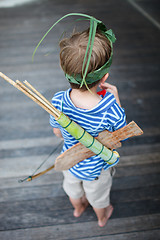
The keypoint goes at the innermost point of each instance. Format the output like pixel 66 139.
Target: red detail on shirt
pixel 102 93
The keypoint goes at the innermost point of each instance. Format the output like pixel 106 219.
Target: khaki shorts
pixel 97 192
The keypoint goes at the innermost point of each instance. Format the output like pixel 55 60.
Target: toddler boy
pixel 90 180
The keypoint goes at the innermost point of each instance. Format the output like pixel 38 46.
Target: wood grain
pixel 78 152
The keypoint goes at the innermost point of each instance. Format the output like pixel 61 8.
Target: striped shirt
pixel 106 115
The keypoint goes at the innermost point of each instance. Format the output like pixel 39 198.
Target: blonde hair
pixel 72 52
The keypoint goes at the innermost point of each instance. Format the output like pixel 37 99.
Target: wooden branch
pixel 40 95
pixel 30 178
pixel 35 97
pixel 38 100
pixel 79 152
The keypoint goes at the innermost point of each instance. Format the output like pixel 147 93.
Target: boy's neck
pixel 85 99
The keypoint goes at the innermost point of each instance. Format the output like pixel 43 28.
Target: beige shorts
pixel 97 192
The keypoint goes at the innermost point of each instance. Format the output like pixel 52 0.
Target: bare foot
pixel 109 211
pixel 78 212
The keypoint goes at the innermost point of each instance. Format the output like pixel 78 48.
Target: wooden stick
pixel 43 103
pixel 79 152
pixel 39 94
pixel 39 174
pixel 7 79
pixel 37 99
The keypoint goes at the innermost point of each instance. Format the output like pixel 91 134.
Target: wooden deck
pixel 40 209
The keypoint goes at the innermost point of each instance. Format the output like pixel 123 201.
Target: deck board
pixel 40 209
pixel 74 231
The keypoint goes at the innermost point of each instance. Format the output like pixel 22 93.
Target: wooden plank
pixel 143 140
pixel 29 142
pixel 23 166
pixel 136 170
pixel 46 190
pixel 8 144
pixel 147 235
pixel 139 159
pixel 33 126
pixel 31 151
pixel 58 210
pixel 56 177
pixel 31 130
pixel 118 73
pixel 139 97
pixel 22 114
pixel 27 165
pixel 26 142
pixel 74 231
pixel 138 116
pixel 136 208
pixel 122 172
pixel 79 152
pixel 136 181
pixel 135 194
pixel 139 149
pixel 47 179
pixel 39 213
pixel 32 192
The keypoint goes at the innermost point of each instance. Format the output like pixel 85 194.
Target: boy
pixel 90 180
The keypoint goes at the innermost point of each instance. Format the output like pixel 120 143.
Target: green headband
pixel 99 73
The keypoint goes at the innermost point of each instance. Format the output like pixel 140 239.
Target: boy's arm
pixel 57 132
pixel 112 89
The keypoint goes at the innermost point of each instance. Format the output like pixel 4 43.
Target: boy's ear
pixel 104 78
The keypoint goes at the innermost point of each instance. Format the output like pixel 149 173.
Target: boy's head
pixel 72 53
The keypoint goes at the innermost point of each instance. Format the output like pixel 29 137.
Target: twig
pixel 38 93
pixel 43 102
pixel 51 109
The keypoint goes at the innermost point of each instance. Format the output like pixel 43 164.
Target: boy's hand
pixel 57 132
pixel 112 89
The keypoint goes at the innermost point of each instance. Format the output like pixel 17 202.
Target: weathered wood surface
pixel 79 152
pixel 40 209
pixel 116 227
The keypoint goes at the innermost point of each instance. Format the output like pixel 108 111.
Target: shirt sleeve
pixel 53 122
pixel 116 117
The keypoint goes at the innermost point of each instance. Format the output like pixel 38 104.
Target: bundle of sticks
pixel 32 93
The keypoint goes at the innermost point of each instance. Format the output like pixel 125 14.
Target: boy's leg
pixel 74 189
pixel 79 205
pixel 98 195
pixel 103 214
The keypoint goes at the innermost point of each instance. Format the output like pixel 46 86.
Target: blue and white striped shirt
pixel 105 115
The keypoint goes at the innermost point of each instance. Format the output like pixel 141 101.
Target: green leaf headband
pixel 99 73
